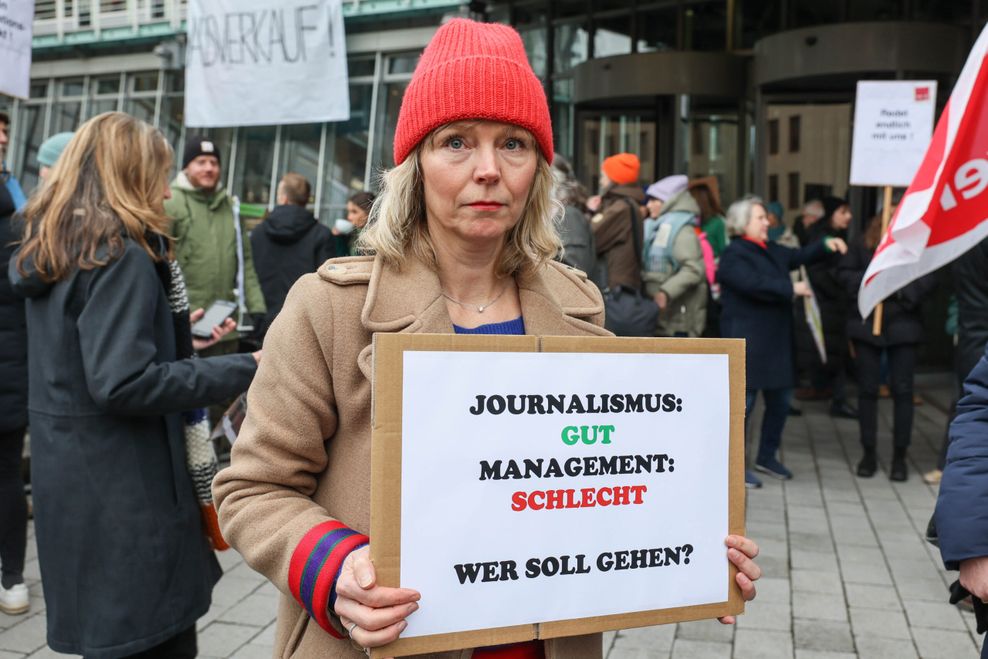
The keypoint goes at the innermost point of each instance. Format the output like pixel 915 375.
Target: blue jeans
pixel 774 420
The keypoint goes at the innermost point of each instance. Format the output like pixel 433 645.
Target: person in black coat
pixel 288 244
pixel 901 334
pixel 961 524
pixel 831 296
pixel 125 564
pixel 14 597
pixel 756 305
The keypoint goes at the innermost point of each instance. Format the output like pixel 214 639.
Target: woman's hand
pixel 801 289
pixel 373 615
pixel 218 332
pixel 742 551
pixel 836 245
pixel 662 300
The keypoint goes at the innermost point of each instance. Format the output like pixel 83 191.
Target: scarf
pixel 200 456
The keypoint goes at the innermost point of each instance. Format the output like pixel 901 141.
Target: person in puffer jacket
pixel 675 273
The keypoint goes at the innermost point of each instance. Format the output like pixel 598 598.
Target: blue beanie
pixel 52 148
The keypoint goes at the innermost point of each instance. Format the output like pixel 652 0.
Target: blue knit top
pixel 516 326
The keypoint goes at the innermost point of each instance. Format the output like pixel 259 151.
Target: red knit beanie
pixel 622 168
pixel 472 70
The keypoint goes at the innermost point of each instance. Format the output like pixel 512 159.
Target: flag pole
pixel 876 327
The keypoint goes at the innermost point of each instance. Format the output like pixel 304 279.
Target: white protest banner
pixel 893 121
pixel 16 18
pixel 554 486
pixel 258 62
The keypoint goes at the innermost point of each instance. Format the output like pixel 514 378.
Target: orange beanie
pixel 622 168
pixel 472 70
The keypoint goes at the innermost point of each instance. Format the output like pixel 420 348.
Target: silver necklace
pixel 480 308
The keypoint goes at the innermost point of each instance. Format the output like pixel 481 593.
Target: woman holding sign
pixel 462 239
pixel 756 298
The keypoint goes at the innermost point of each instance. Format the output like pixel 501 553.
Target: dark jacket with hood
pixel 287 245
pixel 13 330
pixel 612 231
pixel 902 321
pixel 124 561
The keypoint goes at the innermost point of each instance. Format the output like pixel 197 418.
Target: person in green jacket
pixel 211 242
pixel 706 192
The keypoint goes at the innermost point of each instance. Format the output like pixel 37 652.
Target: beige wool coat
pixel 303 454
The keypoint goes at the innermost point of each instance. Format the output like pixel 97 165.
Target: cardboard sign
pixel 537 487
pixel 258 62
pixel 893 122
pixel 16 23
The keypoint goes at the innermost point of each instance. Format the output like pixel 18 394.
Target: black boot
pixel 868 464
pixel 899 470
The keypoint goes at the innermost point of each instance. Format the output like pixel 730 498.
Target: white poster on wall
pixel 260 62
pixel 573 493
pixel 893 122
pixel 16 17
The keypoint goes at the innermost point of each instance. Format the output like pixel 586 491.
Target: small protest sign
pixel 513 477
pixel 258 62
pixel 16 18
pixel 893 121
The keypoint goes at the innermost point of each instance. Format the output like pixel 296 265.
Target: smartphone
pixel 217 313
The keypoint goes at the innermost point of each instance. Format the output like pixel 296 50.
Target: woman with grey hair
pixel 756 298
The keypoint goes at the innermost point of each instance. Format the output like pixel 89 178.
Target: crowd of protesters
pixel 109 268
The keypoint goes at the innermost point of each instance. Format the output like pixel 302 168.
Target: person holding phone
pixel 462 239
pixel 119 480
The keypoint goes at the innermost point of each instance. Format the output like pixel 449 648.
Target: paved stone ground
pixel 847 573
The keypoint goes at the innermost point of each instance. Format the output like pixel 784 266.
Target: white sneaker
pixel 14 600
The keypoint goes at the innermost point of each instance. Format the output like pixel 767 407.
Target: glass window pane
pixel 705 27
pixel 388 104
pixel 255 158
pixel 347 158
pixel 657 30
pixel 405 63
pixel 612 36
pixel 30 130
pixel 146 81
pixel 73 88
pixel 717 152
pixel 99 106
pixel 300 151
pixel 562 116
pixel 533 36
pixel 142 108
pixel 108 85
pixel 363 66
pixel 170 121
pixel 878 10
pixel 65 116
pixel 572 46
pixel 39 89
pixel 805 13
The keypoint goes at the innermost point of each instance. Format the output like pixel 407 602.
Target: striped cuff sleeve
pixel 316 563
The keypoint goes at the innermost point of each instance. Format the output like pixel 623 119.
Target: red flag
pixel 945 209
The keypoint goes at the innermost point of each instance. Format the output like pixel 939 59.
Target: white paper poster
pixel 893 123
pixel 261 62
pixel 16 17
pixel 553 486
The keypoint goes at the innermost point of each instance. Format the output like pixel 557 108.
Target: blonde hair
pixel 397 225
pixel 108 182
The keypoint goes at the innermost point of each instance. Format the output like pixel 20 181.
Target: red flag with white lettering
pixel 945 209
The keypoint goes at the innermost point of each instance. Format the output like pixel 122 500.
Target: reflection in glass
pixel 347 155
pixel 388 104
pixel 300 151
pixel 572 46
pixel 255 158
pixel 30 129
pixel 65 116
pixel 657 30
pixel 612 36
pixel 142 108
pixel 714 151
